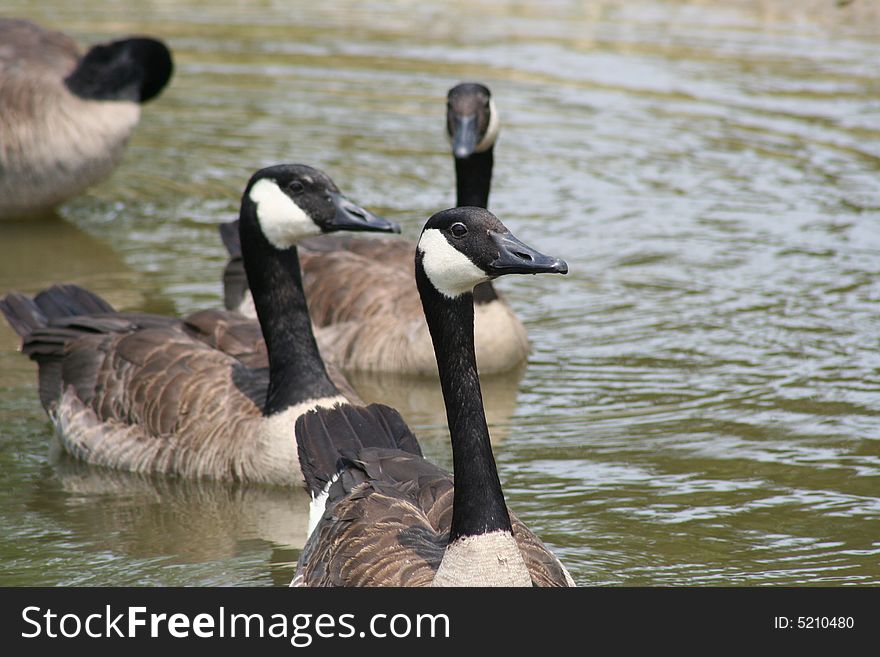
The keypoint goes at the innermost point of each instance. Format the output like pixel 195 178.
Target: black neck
pixel 473 178
pixel 478 503
pixel 87 84
pixel 296 370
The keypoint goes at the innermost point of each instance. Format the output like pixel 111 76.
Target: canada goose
pixel 393 518
pixel 361 293
pixel 148 393
pixel 65 118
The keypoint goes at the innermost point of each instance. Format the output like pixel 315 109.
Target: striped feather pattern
pixel 387 524
pixel 155 394
pixel 157 401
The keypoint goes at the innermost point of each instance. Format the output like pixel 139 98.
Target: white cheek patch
pixel 491 135
pixel 450 271
pixel 282 221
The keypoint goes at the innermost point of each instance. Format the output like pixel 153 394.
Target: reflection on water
pixel 38 253
pixel 180 522
pixel 173 512
pixel 701 403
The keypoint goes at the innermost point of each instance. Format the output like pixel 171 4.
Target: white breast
pixel 276 455
pixel 491 559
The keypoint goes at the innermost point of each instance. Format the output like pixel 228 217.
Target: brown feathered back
pixel 387 524
pixel 147 393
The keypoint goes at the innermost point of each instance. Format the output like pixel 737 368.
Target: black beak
pixel 350 216
pixel 514 257
pixel 464 136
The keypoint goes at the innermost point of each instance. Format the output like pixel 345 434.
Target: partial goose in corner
pixel 361 293
pixel 154 394
pixel 392 518
pixel 65 118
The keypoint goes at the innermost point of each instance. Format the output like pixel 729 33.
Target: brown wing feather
pixel 148 393
pixel 367 311
pixel 242 338
pixel 344 285
pixel 374 537
pixel 387 248
pixel 231 333
pixel 157 401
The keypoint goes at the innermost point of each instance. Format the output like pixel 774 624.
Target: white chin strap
pixel 450 271
pixel 491 135
pixel 282 221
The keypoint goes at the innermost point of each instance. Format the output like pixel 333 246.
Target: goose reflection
pixel 184 520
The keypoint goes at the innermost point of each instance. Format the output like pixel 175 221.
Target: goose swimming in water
pixel 202 396
pixel 65 118
pixel 361 292
pixel 388 517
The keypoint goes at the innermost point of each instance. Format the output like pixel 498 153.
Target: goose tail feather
pixel 26 315
pixel 231 239
pixel 326 437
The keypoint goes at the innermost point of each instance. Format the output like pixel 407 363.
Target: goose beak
pixel 350 216
pixel 464 136
pixel 514 257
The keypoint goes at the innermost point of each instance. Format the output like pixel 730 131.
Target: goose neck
pixel 473 179
pixel 296 369
pixel 478 500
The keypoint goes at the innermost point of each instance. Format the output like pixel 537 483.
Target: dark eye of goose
pixel 458 229
pixel 296 187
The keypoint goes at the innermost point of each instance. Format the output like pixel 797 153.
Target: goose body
pixel 212 395
pixel 362 296
pixel 388 517
pixel 65 118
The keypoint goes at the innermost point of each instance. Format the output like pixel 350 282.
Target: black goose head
pixel 289 202
pixel 471 119
pixel 135 69
pixel 462 247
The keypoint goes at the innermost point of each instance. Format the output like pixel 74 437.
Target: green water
pixel 702 403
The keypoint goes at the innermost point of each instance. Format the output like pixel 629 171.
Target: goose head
pixel 289 202
pixel 135 69
pixel 463 247
pixel 471 119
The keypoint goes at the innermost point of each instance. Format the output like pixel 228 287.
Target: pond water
pixel 702 401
